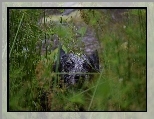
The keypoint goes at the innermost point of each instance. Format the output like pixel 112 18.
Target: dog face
pixel 76 67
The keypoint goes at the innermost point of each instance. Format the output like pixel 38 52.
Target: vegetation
pixel 120 85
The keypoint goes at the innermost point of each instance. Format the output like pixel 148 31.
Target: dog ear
pixel 94 61
pixel 62 52
pixel 57 64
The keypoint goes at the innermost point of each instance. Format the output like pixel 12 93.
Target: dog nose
pixel 77 76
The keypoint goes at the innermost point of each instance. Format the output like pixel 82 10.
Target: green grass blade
pixel 16 35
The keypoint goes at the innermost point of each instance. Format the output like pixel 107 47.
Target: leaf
pixel 77 99
pixel 82 31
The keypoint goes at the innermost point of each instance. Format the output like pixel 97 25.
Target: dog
pixel 76 68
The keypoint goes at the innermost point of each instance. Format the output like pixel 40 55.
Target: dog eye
pixel 68 63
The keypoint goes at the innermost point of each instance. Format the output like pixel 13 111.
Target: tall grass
pixel 120 86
